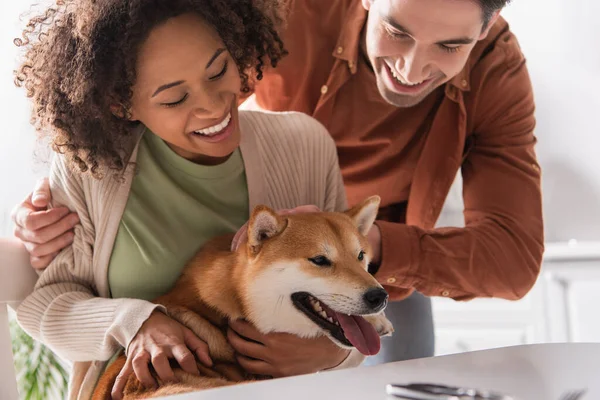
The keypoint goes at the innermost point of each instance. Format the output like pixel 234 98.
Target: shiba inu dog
pixel 304 274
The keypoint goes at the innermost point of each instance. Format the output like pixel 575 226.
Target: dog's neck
pixel 217 281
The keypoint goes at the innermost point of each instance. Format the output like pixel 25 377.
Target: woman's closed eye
pixel 175 103
pixel 212 78
pixel 221 73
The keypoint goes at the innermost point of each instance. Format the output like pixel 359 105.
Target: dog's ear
pixel 264 224
pixel 364 214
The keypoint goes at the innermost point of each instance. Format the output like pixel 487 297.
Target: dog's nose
pixel 376 298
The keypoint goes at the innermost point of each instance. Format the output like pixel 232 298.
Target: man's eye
pixel 396 34
pixel 450 49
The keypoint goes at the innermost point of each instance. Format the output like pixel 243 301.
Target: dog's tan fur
pixel 218 285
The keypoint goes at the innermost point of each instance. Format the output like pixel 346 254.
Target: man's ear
pixel 364 214
pixel 264 224
pixel 367 4
pixel 491 23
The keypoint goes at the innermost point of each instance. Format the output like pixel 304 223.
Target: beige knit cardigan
pixel 289 159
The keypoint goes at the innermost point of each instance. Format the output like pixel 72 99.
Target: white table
pixel 531 372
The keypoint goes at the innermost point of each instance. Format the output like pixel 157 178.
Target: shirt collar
pixel 462 81
pixel 347 47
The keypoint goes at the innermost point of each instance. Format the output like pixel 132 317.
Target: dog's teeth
pixel 323 314
pixel 330 319
pixel 318 308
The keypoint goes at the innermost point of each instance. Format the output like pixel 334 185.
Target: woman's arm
pixel 65 311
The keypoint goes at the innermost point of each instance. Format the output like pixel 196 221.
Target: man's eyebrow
pixel 399 27
pixel 395 24
pixel 460 40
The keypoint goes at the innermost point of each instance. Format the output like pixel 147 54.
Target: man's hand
pixel 282 354
pixel 242 234
pixel 159 339
pixel 43 232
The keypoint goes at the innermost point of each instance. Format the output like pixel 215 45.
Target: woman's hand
pixel 159 339
pixel 282 354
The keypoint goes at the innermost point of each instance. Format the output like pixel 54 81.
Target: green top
pixel 174 207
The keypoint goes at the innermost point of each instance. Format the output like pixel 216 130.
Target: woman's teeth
pixel 215 129
pixel 398 79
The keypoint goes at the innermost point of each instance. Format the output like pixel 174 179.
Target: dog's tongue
pixel 360 333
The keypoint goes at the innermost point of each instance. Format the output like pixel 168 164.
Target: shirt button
pixel 324 89
pixel 391 280
pixel 445 293
pixel 339 50
pixel 535 167
pixel 350 64
pixel 464 83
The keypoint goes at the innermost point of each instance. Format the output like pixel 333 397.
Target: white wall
pixel 561 40
pixel 18 170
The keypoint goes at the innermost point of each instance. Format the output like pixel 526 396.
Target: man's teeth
pixel 213 130
pixel 401 81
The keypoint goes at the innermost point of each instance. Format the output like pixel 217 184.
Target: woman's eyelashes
pixel 221 73
pixel 212 79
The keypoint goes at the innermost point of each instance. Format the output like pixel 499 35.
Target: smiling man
pixel 413 92
pixel 414 47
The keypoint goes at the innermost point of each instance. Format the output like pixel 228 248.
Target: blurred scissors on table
pixel 427 391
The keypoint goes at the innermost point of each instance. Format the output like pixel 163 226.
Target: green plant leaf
pixel 41 375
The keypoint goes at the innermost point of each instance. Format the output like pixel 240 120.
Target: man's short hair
pixel 489 7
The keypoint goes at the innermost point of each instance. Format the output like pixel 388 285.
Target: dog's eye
pixel 321 261
pixel 361 255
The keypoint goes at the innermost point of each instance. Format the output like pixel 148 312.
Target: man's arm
pixel 499 251
pixel 44 232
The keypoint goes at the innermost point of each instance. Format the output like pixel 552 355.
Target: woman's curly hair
pixel 80 58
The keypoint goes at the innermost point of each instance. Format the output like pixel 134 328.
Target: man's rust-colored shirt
pixel 480 122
